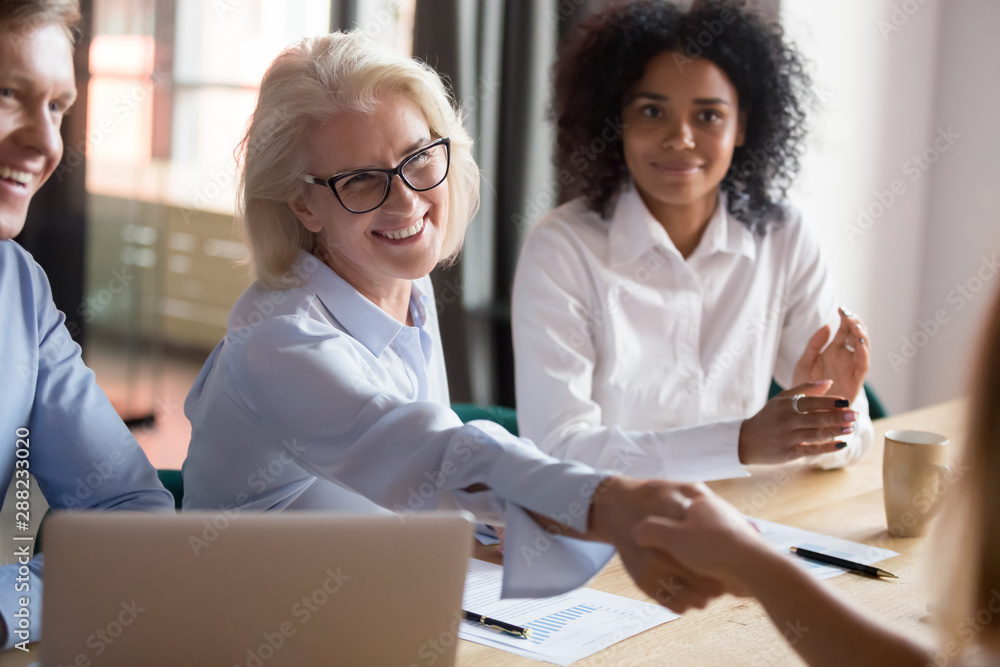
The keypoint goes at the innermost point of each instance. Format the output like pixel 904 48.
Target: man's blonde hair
pixel 307 84
pixel 24 16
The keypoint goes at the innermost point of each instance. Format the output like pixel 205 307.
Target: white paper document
pixel 781 537
pixel 580 623
pixel 564 629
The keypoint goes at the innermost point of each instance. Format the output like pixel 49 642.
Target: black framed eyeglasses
pixel 364 190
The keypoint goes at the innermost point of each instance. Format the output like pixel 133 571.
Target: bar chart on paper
pixel 547 626
pixel 564 628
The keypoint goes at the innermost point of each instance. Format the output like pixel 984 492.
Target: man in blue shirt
pixel 55 422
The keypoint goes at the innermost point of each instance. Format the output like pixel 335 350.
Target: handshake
pixel 680 543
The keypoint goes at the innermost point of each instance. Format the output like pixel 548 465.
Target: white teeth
pixel 21 177
pixel 405 233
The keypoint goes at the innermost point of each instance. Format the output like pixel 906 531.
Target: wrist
pixel 741 444
pixel 760 567
pixel 607 520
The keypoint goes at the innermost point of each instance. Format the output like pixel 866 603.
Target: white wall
pixel 893 77
pixel 964 207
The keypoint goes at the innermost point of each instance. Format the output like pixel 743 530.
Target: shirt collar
pixel 362 319
pixel 634 230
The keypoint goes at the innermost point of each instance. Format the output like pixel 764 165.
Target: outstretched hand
pixel 845 360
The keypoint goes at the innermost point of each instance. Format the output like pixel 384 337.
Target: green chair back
pixel 506 417
pixel 173 480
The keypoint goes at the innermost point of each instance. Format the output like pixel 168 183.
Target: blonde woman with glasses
pixel 329 388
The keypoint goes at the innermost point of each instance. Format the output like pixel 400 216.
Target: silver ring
pixel 795 403
pixel 849 347
pixel 684 502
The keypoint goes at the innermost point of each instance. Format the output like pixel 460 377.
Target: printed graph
pixel 543 628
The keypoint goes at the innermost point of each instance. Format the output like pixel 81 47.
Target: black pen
pixel 870 570
pixel 509 628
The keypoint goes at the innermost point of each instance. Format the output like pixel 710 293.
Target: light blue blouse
pixel 318 399
pixel 81 455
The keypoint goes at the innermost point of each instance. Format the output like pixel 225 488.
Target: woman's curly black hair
pixel 605 56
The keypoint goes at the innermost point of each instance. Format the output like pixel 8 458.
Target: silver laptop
pixel 253 590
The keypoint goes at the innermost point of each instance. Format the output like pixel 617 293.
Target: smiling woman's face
pixel 682 125
pixel 366 249
pixel 37 86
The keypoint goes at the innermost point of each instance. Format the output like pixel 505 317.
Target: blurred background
pixel 136 228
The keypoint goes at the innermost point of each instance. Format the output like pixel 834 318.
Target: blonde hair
pixel 969 539
pixel 24 16
pixel 307 84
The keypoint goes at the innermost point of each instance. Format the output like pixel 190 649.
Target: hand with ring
pixel 802 421
pixel 845 360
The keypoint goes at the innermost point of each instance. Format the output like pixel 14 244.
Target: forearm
pixel 822 627
pixel 692 454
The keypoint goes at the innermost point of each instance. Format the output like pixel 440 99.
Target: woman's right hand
pixel 778 434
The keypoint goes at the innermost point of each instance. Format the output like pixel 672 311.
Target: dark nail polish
pixel 842 403
pixel 841 445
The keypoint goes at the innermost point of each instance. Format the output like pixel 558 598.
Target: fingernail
pixel 820 382
pixel 841 445
pixel 851 416
pixel 847 429
pixel 846 312
pixel 842 403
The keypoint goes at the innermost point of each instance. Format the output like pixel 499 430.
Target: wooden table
pixel 732 631
pixel 736 632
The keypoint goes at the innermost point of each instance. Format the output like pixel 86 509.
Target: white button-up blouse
pixel 628 355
